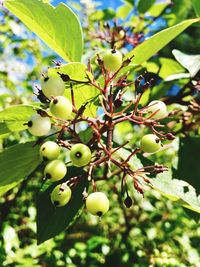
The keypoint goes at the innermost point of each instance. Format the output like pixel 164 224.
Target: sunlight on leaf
pixel 190 62
pixel 156 42
pixel 58 27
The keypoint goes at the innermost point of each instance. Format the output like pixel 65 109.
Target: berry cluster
pixel 59 111
pixel 116 35
pixel 80 155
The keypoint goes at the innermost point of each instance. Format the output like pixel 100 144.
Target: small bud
pixel 146 86
pixel 64 77
pixel 138 188
pixel 128 202
pixel 119 28
pixel 118 102
pixel 57 63
pixel 41 97
pixel 29 123
pixel 55 101
pixel 82 109
pixel 170 136
pixel 100 61
pixel 160 168
pixel 42 113
pixel 84 194
pixel 106 25
pixel 124 83
pixel 138 80
pixel 126 62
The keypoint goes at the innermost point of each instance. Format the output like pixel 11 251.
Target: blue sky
pixel 104 3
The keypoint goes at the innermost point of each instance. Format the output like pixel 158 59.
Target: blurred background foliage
pixel 154 231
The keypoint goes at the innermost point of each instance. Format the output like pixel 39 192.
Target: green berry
pixel 112 60
pixel 53 86
pixel 150 143
pixel 50 150
pixel 38 125
pixel 61 195
pixel 80 155
pixel 159 107
pixel 55 170
pixel 61 107
pixel 97 203
pixel 121 34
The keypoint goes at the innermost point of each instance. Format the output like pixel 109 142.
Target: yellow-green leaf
pixel 58 27
pixel 155 43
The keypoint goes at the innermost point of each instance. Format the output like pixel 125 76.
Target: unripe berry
pixel 80 155
pixel 158 106
pixel 61 195
pixel 150 143
pixel 112 60
pixel 97 203
pixel 121 34
pixel 53 86
pixel 61 107
pixel 55 170
pixel 38 125
pixel 50 150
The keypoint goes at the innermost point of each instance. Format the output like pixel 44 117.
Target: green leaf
pixel 157 9
pixel 58 27
pixel 144 5
pixel 177 77
pixel 177 190
pixel 83 92
pixel 179 11
pixel 155 43
pixel 105 14
pixel 190 62
pixel 12 119
pixel 193 215
pixel 130 2
pixel 188 164
pixel 50 220
pixel 159 90
pixel 164 67
pixel 123 11
pixel 86 135
pixel 75 70
pixel 3 128
pixel 196 6
pixel 169 67
pixel 16 163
